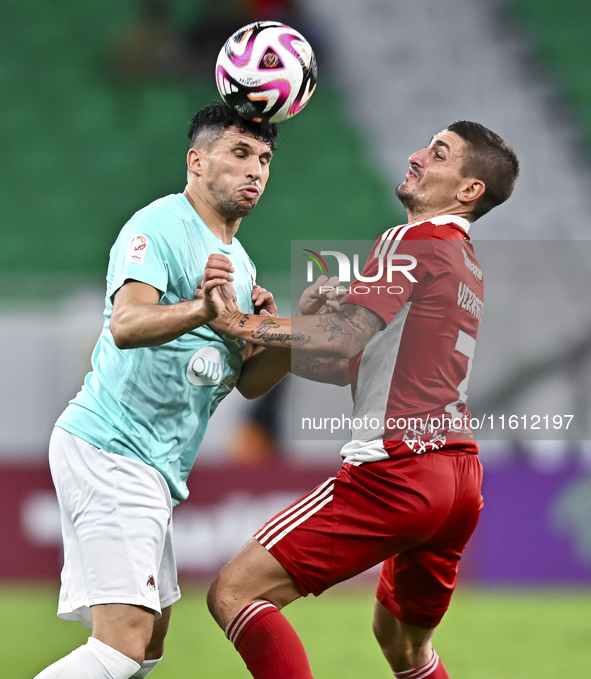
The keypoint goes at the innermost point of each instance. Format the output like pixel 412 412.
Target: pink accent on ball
pixel 241 60
pixel 284 88
pixel 287 40
pixel 297 105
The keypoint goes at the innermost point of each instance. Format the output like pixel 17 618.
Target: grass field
pixel 487 634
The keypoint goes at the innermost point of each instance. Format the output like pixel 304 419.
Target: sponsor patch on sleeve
pixel 137 249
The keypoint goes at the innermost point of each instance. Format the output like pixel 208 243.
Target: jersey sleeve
pixel 146 250
pixel 392 275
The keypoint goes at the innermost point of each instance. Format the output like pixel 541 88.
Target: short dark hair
pixel 218 117
pixel 489 158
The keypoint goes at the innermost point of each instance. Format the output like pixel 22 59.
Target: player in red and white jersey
pixel 408 493
pixel 411 378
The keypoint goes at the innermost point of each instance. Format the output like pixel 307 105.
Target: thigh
pixel 357 519
pixel 416 585
pixel 155 648
pixel 127 629
pixel 252 575
pixel 118 515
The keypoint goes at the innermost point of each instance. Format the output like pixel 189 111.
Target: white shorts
pixel 117 529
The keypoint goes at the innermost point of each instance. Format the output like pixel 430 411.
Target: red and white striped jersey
pixel 410 381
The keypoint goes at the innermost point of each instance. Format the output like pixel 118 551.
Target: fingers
pixel 331 288
pixel 333 297
pixel 220 262
pixel 224 289
pixel 218 271
pixel 332 305
pixel 323 296
pixel 260 295
pixel 218 267
pixel 212 283
pixel 264 302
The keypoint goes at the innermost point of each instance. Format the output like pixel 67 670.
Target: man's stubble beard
pixel 228 206
pixel 409 200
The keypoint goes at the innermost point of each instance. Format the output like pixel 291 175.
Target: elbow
pixel 345 352
pixel 343 379
pixel 251 395
pixel 121 338
pixel 251 392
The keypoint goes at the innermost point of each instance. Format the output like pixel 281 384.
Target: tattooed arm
pixel 322 297
pixel 335 335
pixel 326 370
pixel 262 369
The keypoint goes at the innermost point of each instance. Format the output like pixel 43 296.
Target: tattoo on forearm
pixel 264 331
pixel 312 366
pixel 308 365
pixel 352 326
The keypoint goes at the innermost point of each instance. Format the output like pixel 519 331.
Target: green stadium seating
pixel 83 149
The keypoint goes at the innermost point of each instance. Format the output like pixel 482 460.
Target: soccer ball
pixel 266 71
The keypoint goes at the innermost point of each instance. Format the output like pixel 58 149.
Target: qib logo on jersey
pixel 205 367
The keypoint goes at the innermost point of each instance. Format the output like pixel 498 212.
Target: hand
pixel 264 304
pixel 322 297
pixel 225 301
pixel 211 288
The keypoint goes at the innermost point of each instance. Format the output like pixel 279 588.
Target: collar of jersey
pixel 226 248
pixel 447 219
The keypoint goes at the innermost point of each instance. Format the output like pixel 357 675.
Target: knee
pixel 214 596
pixel 125 628
pixel 227 595
pixel 134 651
pixel 155 648
pixel 154 652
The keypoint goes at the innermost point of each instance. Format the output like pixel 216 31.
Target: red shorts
pixel 415 513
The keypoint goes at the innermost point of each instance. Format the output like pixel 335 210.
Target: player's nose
pixel 418 158
pixel 254 168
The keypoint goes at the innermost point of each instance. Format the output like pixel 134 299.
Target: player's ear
pixel 195 160
pixel 470 190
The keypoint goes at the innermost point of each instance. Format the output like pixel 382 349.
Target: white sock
pixel 146 668
pixel 94 660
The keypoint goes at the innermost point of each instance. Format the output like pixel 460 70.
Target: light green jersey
pixel 153 404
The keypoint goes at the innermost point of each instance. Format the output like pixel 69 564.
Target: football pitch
pixel 487 634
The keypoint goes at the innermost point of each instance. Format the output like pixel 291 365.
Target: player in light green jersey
pixel 122 450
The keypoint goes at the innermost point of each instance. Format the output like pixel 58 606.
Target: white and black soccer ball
pixel 266 71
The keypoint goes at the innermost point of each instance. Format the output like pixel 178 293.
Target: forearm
pixel 325 370
pixel 262 370
pixel 138 320
pixel 145 325
pixel 339 335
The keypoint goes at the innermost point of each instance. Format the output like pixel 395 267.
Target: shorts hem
pixel 286 563
pixel 407 617
pixel 172 599
pixel 81 613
